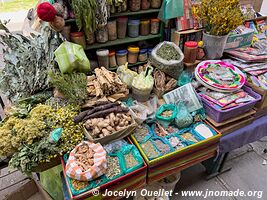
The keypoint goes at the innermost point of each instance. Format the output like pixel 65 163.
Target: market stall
pixel 102 94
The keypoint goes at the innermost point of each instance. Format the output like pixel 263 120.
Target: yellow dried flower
pixel 219 17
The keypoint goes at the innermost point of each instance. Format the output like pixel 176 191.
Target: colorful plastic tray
pixel 205 79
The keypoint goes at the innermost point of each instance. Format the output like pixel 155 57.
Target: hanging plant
pixel 85 14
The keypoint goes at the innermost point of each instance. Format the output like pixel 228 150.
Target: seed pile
pixel 140 133
pixel 149 149
pixel 176 143
pixel 113 167
pixel 164 148
pixel 168 52
pixel 130 161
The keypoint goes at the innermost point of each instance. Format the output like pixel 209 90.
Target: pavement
pixel 16 19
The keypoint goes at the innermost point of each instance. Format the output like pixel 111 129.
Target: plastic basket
pixel 222 115
pixel 239 40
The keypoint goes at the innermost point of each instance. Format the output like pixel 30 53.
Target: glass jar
pixel 112 30
pixel 133 27
pixel 133 54
pixel 144 27
pixel 134 5
pixel 90 38
pixel 142 55
pixel 78 38
pixel 155 3
pixel 190 51
pixel 112 59
pixel 154 26
pixel 103 59
pixel 145 4
pixel 121 56
pixel 102 34
pixel 122 27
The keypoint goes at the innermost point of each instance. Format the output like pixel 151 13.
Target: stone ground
pixel 248 173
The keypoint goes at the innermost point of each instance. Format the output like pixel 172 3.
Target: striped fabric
pixel 99 168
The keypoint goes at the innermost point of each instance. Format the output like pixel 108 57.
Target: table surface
pixel 248 134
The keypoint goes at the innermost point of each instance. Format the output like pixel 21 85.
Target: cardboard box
pixel 263 102
pixel 31 190
pixel 130 182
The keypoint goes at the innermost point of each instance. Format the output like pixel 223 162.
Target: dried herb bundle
pixel 26 64
pixel 72 86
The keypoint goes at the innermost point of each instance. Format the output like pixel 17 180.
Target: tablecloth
pixel 243 136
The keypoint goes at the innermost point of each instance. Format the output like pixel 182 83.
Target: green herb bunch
pixel 72 86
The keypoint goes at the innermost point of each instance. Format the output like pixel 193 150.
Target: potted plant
pixel 218 18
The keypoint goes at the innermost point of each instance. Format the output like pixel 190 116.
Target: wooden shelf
pixel 256 19
pixel 122 41
pixel 130 13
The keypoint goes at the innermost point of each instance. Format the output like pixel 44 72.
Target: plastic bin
pixel 222 115
pixel 133 27
pixel 122 27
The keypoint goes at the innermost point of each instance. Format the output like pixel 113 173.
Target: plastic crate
pixel 222 115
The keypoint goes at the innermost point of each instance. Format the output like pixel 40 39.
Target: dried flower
pixel 219 17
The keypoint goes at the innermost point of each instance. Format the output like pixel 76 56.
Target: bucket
pixel 214 45
pixel 169 182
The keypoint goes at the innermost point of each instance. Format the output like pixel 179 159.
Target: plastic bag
pixel 131 153
pixel 73 170
pixel 165 121
pixel 171 9
pixel 184 118
pixel 139 112
pixel 126 75
pixel 142 85
pixel 70 57
pixel 144 80
pixel 171 67
pixel 184 78
pixel 115 146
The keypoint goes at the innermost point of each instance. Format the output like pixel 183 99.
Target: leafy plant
pixel 72 86
pixel 15 131
pixel 27 61
pixel 85 14
pixel 219 17
pixel 30 156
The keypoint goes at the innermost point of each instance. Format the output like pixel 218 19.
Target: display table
pixel 248 134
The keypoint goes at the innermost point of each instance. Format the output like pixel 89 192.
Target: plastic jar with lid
pixel 112 59
pixel 155 3
pixel 134 5
pixel 154 26
pixel 112 30
pixel 122 27
pixel 78 38
pixel 102 34
pixel 145 4
pixel 103 59
pixel 144 27
pixel 149 51
pixel 121 56
pixel 190 51
pixel 133 27
pixel 142 57
pixel 133 54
